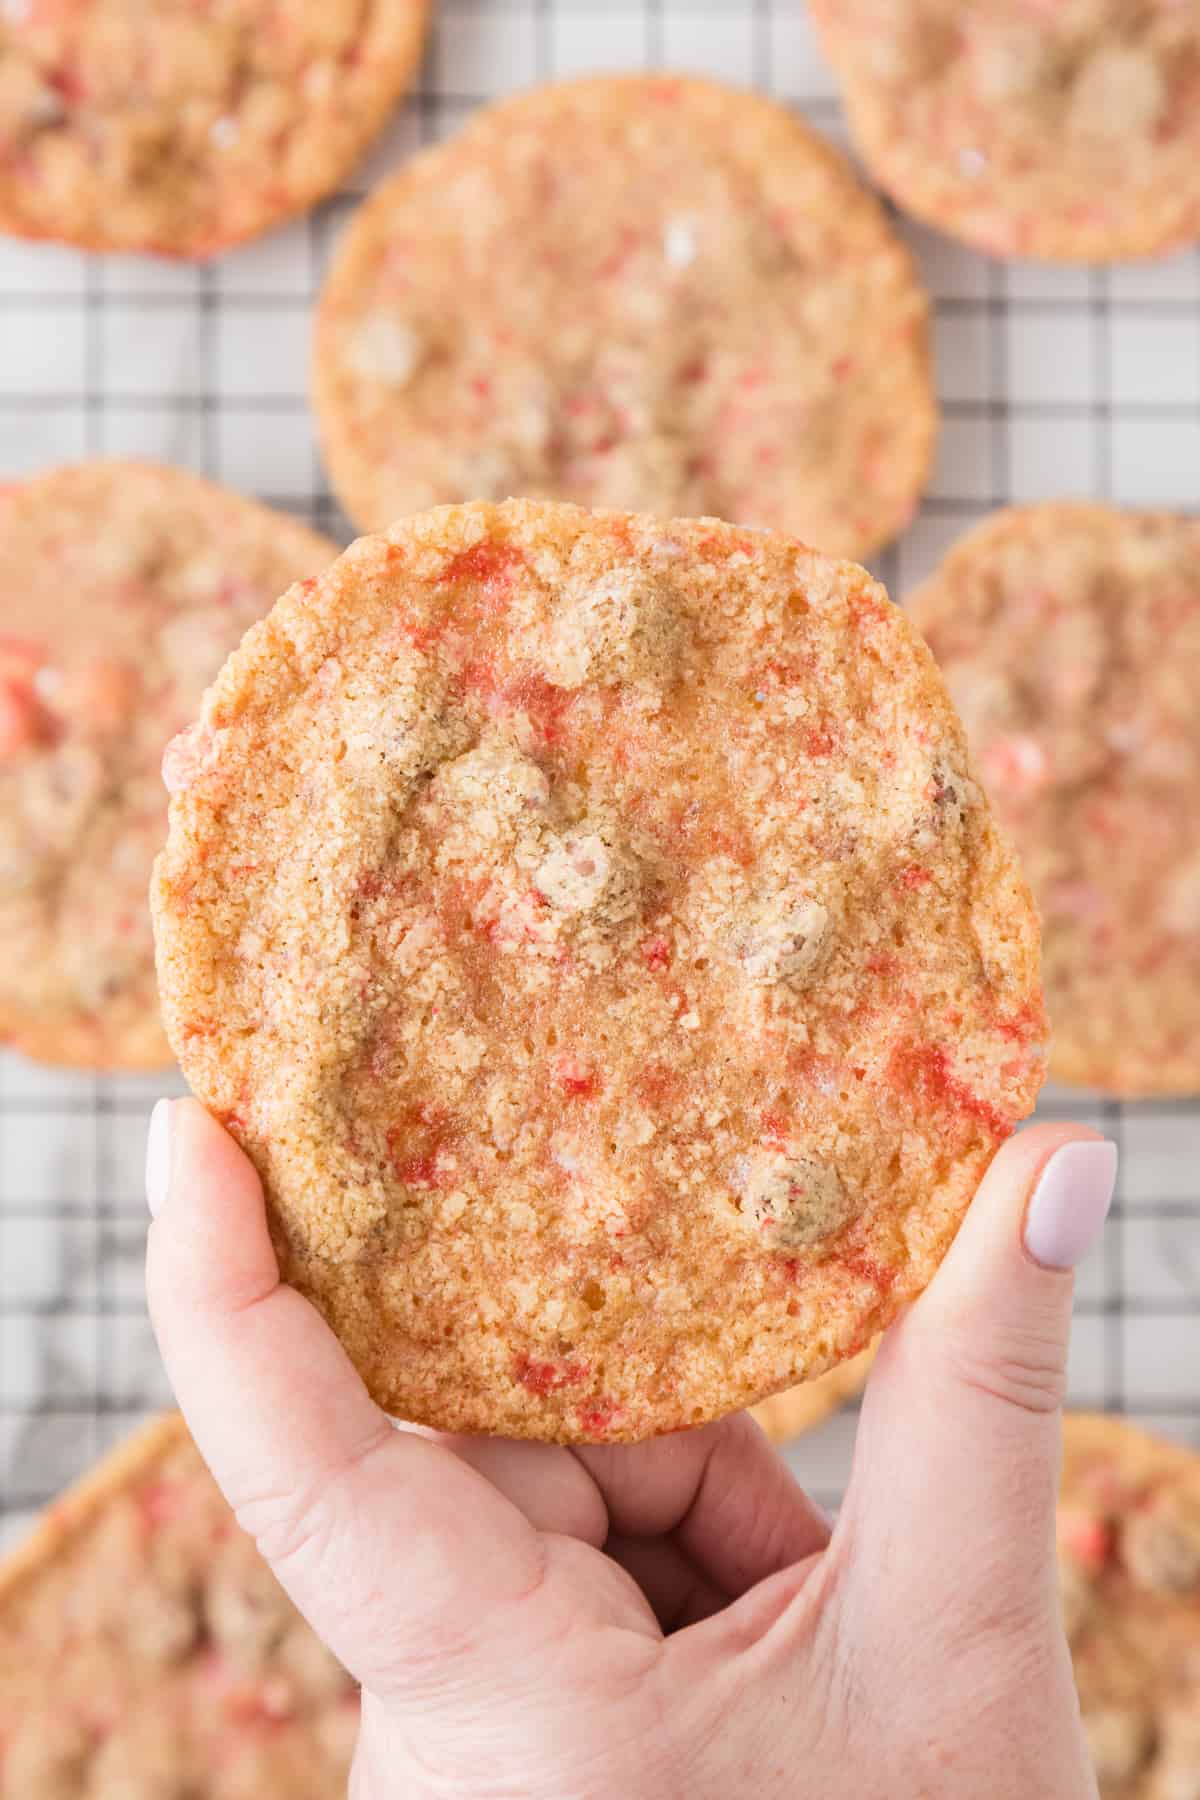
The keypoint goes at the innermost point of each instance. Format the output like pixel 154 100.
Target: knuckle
pixel 287 1525
pixel 1020 1367
pixel 301 1522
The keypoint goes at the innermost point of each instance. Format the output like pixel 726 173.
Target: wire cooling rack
pixel 1053 382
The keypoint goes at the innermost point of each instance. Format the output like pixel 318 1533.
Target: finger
pixel 552 1489
pixel 965 1399
pixel 678 1594
pixel 348 1511
pixel 732 1505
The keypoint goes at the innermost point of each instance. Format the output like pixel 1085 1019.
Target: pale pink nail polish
pixel 158 1156
pixel 1070 1203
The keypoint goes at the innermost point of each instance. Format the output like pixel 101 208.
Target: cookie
pixel 145 1648
pixel 1068 131
pixel 1129 1565
pixel 1069 636
pixel 122 589
pixel 659 294
pixel 183 129
pixel 787 1415
pixel 626 986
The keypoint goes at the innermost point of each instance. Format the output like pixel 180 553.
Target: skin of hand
pixel 674 1618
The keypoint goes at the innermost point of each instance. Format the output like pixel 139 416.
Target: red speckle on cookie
pixel 420 1148
pixel 913 877
pixel 548 708
pixel 20 658
pixel 598 1419
pixel 576 1078
pixel 1088 1539
pixel 657 953
pixel 488 567
pixel 548 1377
pixel 1017 765
pixel 865 1267
pixel 924 1071
pixel 23 723
pixel 160 1503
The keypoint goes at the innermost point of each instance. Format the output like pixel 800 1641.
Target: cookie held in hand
pixel 592 929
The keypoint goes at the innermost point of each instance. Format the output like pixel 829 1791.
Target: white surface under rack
pixel 1054 382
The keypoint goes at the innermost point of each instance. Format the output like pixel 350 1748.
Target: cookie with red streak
pixel 640 292
pixel 1129 1566
pixel 146 1648
pixel 1069 636
pixel 123 587
pixel 629 986
pixel 1067 130
pixel 181 128
pixel 800 1409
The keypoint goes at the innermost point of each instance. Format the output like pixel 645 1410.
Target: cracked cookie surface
pixel 592 929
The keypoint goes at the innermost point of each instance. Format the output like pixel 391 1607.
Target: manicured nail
pixel 1070 1203
pixel 158 1156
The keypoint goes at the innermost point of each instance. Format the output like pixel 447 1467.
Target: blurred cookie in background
pixel 1129 1562
pixel 648 293
pixel 123 587
pixel 1069 636
pixel 183 129
pixel 787 1415
pixel 146 1648
pixel 1069 132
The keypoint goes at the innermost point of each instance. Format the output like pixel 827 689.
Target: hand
pixel 675 1618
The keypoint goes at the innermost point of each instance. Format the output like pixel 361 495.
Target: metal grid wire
pixel 1053 382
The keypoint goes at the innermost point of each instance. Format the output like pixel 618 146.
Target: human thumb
pixel 956 1467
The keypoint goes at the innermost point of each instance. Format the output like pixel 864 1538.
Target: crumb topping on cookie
pixel 1069 636
pixel 122 589
pixel 617 1046
pixel 1063 131
pixel 629 292
pixel 184 128
pixel 156 1656
pixel 1129 1562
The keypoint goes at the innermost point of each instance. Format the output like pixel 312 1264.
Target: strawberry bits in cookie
pixel 640 292
pixel 1069 636
pixel 123 587
pixel 186 126
pixel 148 1653
pixel 592 929
pixel 1061 129
pixel 1129 1569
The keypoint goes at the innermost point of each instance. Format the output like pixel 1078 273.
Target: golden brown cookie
pixel 785 1416
pixel 1061 129
pixel 123 587
pixel 1069 636
pixel 146 1649
pixel 633 292
pixel 1129 1564
pixel 184 128
pixel 592 930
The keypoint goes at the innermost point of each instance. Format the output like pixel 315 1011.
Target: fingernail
pixel 1070 1203
pixel 158 1156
